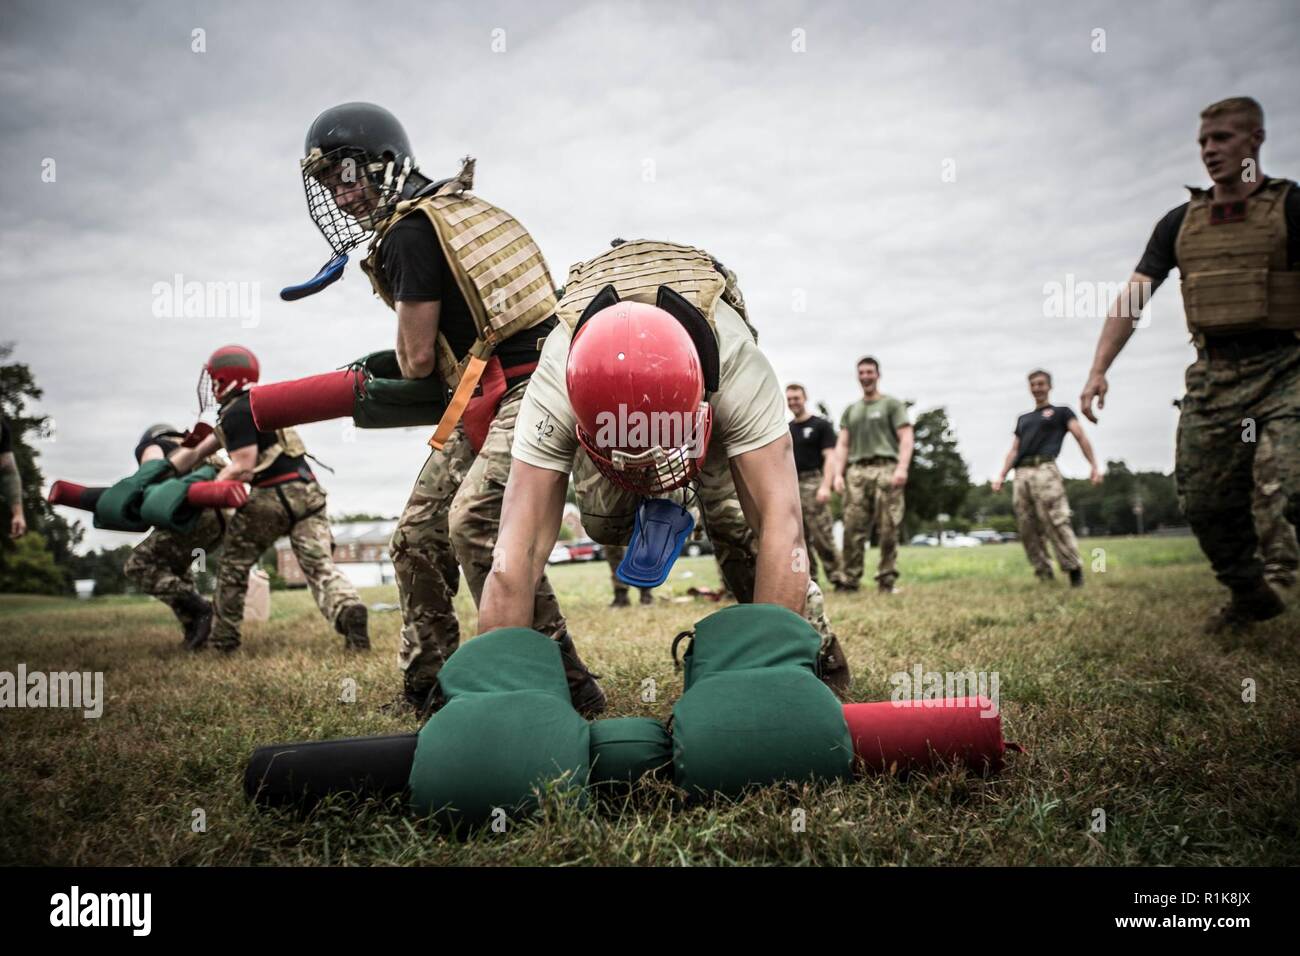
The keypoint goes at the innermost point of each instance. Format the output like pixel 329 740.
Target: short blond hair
pixel 1244 106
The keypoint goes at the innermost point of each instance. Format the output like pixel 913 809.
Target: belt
pixel 1030 460
pixel 878 460
pixel 1235 348
pixel 515 373
pixel 300 475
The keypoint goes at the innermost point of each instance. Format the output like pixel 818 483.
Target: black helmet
pixel 361 151
pixel 159 430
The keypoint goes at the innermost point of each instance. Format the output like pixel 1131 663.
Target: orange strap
pixel 459 400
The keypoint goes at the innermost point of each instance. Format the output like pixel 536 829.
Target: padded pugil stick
pixel 73 495
pixel 317 398
pixel 217 494
pixel 914 735
pixel 306 773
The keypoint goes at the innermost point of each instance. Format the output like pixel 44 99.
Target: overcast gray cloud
pixel 817 176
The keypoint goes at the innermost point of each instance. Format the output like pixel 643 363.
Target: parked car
pixel 989 536
pixel 946 539
pixel 559 554
pixel 698 546
pixel 584 549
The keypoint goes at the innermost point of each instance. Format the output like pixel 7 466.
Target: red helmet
pixel 229 367
pixel 638 384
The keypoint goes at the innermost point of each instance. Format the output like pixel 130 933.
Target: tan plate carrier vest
pixel 287 442
pixel 1234 274
pixel 636 269
pixel 499 270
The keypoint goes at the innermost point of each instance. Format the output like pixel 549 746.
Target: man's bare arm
pixel 828 475
pixel 12 484
pixel 242 462
pixel 531 512
pixel 997 482
pixel 1077 431
pixel 184 459
pixel 841 460
pixel 417 337
pixel 1115 333
pixel 769 495
pixel 906 445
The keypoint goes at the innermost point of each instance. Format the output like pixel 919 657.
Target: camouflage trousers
pixel 1229 406
pixel 295 508
pixel 871 504
pixel 609 516
pixel 1043 518
pixel 450 522
pixel 162 565
pixel 818 527
pixel 1277 538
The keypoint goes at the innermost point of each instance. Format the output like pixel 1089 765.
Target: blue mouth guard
pixel 329 273
pixel 662 527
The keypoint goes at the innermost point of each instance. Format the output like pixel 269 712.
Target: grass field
pixel 1120 701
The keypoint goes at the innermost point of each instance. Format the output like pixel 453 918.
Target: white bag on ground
pixel 257 603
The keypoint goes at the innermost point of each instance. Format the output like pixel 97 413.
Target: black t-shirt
pixel 416 270
pixel 811 437
pixel 240 432
pixel 6 439
pixel 1042 431
pixel 1161 256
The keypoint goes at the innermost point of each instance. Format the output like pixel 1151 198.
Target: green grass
pixel 1120 701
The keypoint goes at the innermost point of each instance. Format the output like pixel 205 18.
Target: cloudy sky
pixel 899 179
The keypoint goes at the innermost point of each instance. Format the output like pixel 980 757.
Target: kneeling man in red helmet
pixel 652 386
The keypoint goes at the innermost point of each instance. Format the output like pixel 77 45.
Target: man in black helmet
pixel 163 563
pixel 474 303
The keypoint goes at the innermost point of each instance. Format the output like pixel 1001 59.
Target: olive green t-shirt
pixel 873 427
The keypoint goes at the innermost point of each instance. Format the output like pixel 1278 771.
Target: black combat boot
pixel 1248 605
pixel 620 600
pixel 586 694
pixel 1076 578
pixel 647 597
pixel 199 611
pixel 353 624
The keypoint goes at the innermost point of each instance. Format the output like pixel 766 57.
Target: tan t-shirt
pixel 748 409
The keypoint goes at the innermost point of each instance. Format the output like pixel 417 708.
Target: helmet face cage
pixel 204 391
pixel 322 172
pixel 657 470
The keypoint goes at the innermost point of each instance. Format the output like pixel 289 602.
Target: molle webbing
pixel 639 268
pixel 1235 275
pixel 499 270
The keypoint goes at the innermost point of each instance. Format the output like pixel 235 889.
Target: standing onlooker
pixel 876 445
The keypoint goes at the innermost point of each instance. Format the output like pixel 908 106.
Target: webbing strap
pixel 459 401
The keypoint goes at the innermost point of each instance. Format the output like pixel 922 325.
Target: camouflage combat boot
pixel 353 624
pixel 1246 607
pixel 199 625
pixel 586 694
